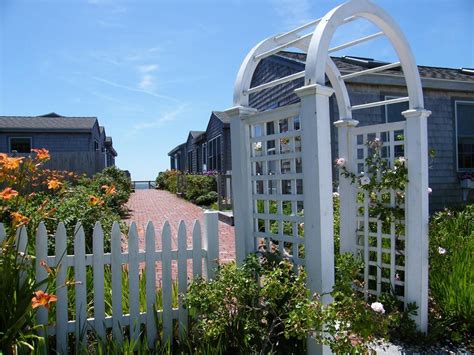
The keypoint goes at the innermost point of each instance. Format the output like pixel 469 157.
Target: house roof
pixel 353 64
pixel 196 134
pixel 175 149
pixel 222 116
pixel 48 122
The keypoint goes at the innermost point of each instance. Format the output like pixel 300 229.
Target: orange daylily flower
pixel 8 193
pixel 42 299
pixel 54 184
pixel 18 218
pixel 94 200
pixel 41 154
pixel 109 190
pixel 9 162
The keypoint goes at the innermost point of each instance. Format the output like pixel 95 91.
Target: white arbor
pixel 282 165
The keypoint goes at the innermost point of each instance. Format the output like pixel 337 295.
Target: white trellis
pixel 260 193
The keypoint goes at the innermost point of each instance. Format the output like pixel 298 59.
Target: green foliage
pixel 207 199
pixel 245 314
pixel 168 180
pixel 451 275
pixel 17 284
pixel 198 185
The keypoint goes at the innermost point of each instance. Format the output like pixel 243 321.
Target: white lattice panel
pixel 277 182
pixel 380 244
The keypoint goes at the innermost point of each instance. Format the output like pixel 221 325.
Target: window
pixel 96 146
pixel 464 113
pixel 214 154
pixel 190 161
pixel 204 155
pixel 393 112
pixel 20 144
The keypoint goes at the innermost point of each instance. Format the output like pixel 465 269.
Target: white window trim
pixel 456 132
pixel 10 142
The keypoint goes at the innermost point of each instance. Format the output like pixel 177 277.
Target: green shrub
pixel 198 185
pixel 208 199
pixel 452 266
pixel 168 180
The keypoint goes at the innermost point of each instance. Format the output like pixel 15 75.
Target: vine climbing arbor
pixel 282 165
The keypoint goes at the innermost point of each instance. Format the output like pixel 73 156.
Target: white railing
pixel 125 256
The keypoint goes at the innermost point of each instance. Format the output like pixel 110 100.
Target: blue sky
pixel 153 70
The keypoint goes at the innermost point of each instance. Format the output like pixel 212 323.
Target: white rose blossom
pixel 364 180
pixel 341 162
pixel 377 307
pixel 441 251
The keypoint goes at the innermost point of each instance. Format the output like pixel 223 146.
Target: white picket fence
pixel 204 250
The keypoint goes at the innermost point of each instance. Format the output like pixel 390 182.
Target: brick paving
pixel 159 206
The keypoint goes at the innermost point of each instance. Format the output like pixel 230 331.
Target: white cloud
pixel 150 68
pixel 130 88
pixel 166 117
pixel 147 82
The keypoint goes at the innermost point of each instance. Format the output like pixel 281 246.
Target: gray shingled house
pixel 76 144
pixel 207 150
pixel 448 93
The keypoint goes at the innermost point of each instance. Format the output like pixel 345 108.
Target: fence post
pixel 417 214
pixel 210 242
pixel 241 185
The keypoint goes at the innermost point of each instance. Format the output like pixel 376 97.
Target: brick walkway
pixel 159 206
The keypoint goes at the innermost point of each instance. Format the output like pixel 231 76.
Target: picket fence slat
pixel 117 282
pixel 204 247
pixel 133 272
pixel 81 285
pixel 98 272
pixel 150 273
pixel 41 274
pixel 61 288
pixel 166 282
pixel 182 278
pixel 21 241
pixel 197 254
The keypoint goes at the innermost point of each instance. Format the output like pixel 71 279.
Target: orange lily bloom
pixel 54 184
pixel 42 299
pixel 42 154
pixel 8 193
pixel 109 190
pixel 94 200
pixel 18 218
pixel 10 163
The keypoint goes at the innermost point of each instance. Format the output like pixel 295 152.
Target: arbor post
pixel 417 214
pixel 317 195
pixel 241 185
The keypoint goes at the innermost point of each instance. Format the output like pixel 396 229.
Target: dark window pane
pixel 394 111
pixel 20 145
pixel 465 134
